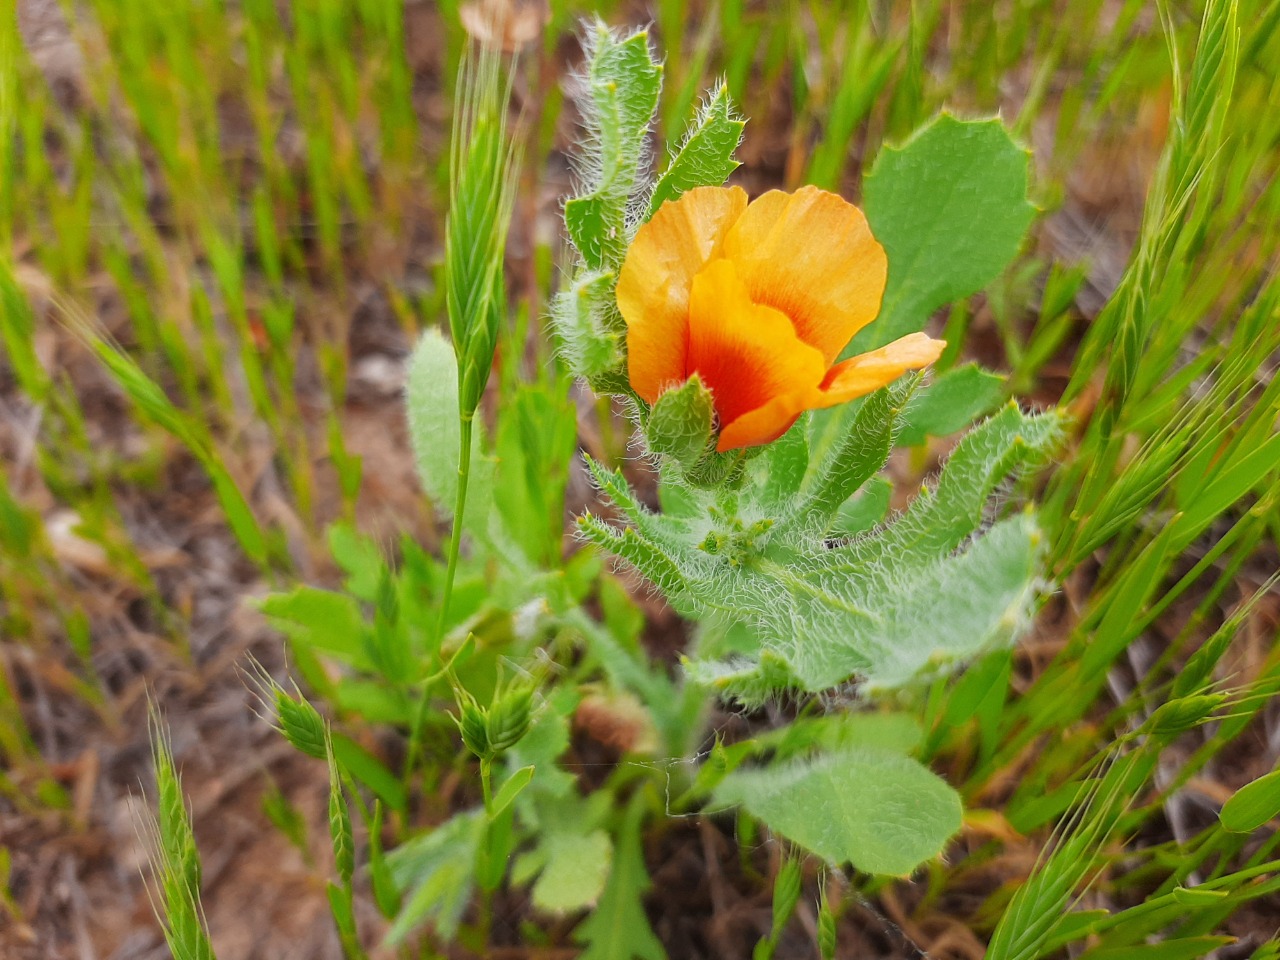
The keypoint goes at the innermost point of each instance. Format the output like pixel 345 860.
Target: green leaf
pixel 780 469
pixel 1253 805
pixel 950 207
pixel 431 403
pixel 858 456
pixel 370 771
pixel 618 928
pixel 322 620
pixel 1232 482
pixel 342 907
pixel 535 441
pixel 621 87
pixel 385 893
pixel 152 401
pixel 680 422
pixel 359 558
pixel 1185 948
pixel 870 608
pixel 884 626
pixel 865 509
pixel 436 873
pixel 577 866
pixel 17 327
pixel 494 854
pixel 510 790
pixel 1004 444
pixel 894 732
pixel 950 403
pixel 883 812
pixel 705 155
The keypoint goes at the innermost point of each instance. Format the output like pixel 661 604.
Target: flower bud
pixel 680 422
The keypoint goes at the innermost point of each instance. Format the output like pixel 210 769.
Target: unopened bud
pixel 680 423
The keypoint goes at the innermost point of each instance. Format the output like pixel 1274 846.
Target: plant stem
pixel 465 422
pixel 455 541
pixel 486 785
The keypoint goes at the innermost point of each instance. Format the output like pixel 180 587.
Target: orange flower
pixel 758 300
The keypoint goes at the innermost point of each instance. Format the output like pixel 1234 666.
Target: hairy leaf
pixel 705 155
pixel 577 866
pixel 620 94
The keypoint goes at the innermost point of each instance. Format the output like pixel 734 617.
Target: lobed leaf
pixel 939 520
pixel 906 618
pixel 577 867
pixel 705 155
pixel 321 620
pixel 585 318
pixel 621 86
pixel 861 454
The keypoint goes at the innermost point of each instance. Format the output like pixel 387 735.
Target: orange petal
pixel 765 424
pixel 748 355
pixel 657 276
pixel 868 372
pixel 811 255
